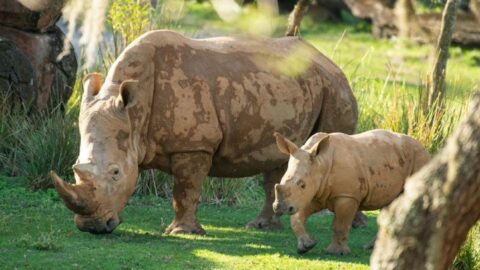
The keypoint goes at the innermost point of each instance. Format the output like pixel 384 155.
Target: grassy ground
pixel 37 232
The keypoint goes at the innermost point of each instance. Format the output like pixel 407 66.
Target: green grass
pixel 36 231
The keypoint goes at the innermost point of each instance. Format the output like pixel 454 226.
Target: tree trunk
pixel 475 9
pixel 436 80
pixel 405 15
pixel 425 227
pixel 296 16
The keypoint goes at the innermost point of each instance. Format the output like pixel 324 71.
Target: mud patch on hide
pixel 122 140
pixel 388 166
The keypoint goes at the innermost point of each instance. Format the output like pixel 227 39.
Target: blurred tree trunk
pixel 296 16
pixel 475 9
pixel 406 19
pixel 425 227
pixel 436 80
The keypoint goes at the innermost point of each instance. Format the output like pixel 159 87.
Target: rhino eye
pixel 115 173
pixel 301 184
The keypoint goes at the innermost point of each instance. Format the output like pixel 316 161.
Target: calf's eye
pixel 115 173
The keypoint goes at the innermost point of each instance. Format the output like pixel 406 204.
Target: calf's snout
pixel 281 208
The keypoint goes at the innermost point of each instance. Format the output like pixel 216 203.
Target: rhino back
pixel 373 166
pixel 224 96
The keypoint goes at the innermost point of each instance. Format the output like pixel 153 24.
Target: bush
pixel 399 109
pixel 34 144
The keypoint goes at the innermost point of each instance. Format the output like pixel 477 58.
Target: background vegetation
pixel 387 76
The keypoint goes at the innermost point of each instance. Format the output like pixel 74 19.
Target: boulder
pixel 52 79
pixel 13 14
pixel 17 77
pixel 384 22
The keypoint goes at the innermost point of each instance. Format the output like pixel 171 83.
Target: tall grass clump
pixel 33 143
pixel 398 108
pixel 51 142
pixel 127 20
pixel 468 258
pixel 215 190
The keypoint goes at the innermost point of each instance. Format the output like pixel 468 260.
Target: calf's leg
pixel 267 218
pixel 344 209
pixel 189 171
pixel 297 221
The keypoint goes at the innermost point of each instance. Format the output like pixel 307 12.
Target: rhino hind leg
pixel 360 220
pixel 267 218
pixel 189 171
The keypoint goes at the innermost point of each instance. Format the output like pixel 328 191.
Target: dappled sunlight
pixel 136 231
pixel 256 246
pixel 261 19
pixel 298 60
pixel 262 260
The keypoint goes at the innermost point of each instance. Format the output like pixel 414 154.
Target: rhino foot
pixel 176 228
pixel 265 223
pixel 336 249
pixel 360 220
pixel 305 244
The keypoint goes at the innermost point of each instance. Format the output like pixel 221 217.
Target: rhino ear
pixel 320 146
pixel 284 145
pixel 92 84
pixel 127 94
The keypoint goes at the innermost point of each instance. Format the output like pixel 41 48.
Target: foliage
pixel 129 18
pixel 468 258
pixel 33 144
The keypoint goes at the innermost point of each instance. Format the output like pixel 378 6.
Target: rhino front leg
pixel 267 218
pixel 297 222
pixel 189 171
pixel 344 209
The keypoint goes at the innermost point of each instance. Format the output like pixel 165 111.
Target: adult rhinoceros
pixel 198 107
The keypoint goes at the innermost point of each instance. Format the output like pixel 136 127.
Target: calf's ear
pixel 127 96
pixel 320 146
pixel 284 145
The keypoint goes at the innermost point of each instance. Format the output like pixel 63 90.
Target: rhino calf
pixel 343 173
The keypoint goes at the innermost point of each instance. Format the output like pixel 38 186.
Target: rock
pixel 17 80
pixel 53 80
pixel 466 33
pixel 13 14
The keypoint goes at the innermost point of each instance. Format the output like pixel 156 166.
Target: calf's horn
pixel 73 195
pixel 278 191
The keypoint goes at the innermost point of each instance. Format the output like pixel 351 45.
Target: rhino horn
pixel 74 196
